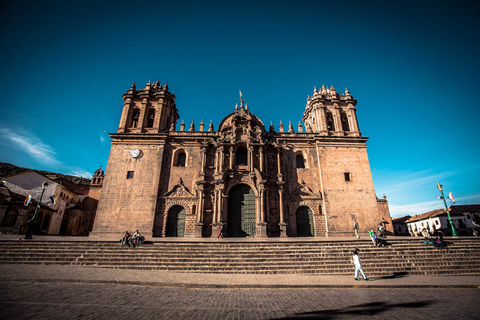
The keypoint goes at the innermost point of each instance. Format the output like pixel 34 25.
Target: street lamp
pixel 44 186
pixel 454 233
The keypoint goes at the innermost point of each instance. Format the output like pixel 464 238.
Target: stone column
pixel 215 224
pixel 260 149
pixel 214 205
pixel 261 225
pixel 282 224
pixel 200 205
pixel 204 155
pixel 124 118
pixel 220 205
pixel 262 204
pixel 353 120
pixel 222 158
pixel 199 224
pixel 280 197
pixel 231 158
pixel 336 118
pixel 322 119
pixel 279 166
pixel 250 159
pixel 216 160
pixel 141 117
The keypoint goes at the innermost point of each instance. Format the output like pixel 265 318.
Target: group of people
pixel 436 241
pixel 132 240
pixel 377 240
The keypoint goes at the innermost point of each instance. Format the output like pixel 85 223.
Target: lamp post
pixel 454 232
pixel 44 186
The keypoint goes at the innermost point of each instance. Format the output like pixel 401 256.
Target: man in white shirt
pixel 358 265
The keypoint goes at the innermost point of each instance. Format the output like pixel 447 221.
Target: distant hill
pixel 8 169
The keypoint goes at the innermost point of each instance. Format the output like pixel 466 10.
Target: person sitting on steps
pixel 137 238
pixel 126 239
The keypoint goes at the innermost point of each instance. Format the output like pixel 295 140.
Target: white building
pixel 463 218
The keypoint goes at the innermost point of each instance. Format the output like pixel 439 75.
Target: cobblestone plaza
pixel 114 301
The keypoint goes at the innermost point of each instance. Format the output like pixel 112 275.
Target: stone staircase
pixel 407 256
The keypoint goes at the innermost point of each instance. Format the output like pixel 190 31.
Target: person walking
pixel 355 228
pixel 358 265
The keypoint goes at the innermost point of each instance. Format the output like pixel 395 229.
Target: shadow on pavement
pixel 395 275
pixel 367 309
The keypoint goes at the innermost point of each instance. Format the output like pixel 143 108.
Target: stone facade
pixel 240 178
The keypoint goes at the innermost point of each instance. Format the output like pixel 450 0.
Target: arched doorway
pixel 305 225
pixel 241 220
pixel 175 222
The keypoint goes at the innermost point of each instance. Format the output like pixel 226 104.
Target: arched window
pixel 150 118
pixel 182 159
pixel 135 116
pixel 330 123
pixel 300 160
pixel 241 156
pixel 344 120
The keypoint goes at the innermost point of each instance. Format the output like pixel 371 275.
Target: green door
pixel 241 221
pixel 305 222
pixel 175 222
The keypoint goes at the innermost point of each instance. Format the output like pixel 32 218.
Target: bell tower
pixel 148 110
pixel 331 114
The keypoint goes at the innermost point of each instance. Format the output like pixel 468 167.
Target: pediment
pixel 178 191
pixel 304 192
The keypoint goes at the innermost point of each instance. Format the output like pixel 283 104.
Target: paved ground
pixel 78 274
pixel 35 300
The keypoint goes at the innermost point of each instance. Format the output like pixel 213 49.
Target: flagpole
pixel 454 232
pixel 44 186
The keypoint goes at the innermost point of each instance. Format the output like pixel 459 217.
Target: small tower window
pixel 241 156
pixel 150 119
pixel 129 174
pixel 347 176
pixel 300 161
pixel 182 159
pixel 344 119
pixel 330 123
pixel 135 116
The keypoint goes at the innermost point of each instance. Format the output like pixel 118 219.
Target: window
pixel 330 123
pixel 130 175
pixel 241 157
pixel 150 118
pixel 347 176
pixel 135 116
pixel 300 161
pixel 182 159
pixel 344 119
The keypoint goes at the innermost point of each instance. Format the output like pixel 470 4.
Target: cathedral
pixel 242 178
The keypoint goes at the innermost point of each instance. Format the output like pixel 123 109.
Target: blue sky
pixel 412 65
